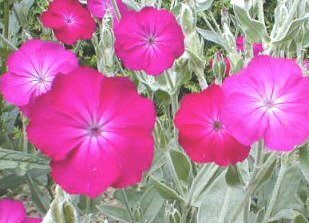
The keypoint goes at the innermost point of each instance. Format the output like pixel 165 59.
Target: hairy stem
pixel 25 136
pixel 116 9
pixel 255 181
pixel 126 201
pixel 225 206
pixel 275 192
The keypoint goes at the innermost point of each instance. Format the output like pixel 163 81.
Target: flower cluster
pixel 98 131
pixel 266 100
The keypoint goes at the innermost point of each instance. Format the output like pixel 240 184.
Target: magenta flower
pixel 99 7
pixel 268 100
pixel 32 69
pixel 257 47
pixel 203 134
pixel 12 211
pixel 69 20
pixel 92 129
pixel 149 40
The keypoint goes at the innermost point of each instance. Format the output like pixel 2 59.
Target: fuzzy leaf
pixel 165 191
pixel 182 165
pixel 304 161
pixel 233 177
pixel 292 30
pixel 61 209
pixel 219 201
pixel 211 36
pixel 11 159
pixel 116 213
pixel 202 5
pixel 254 29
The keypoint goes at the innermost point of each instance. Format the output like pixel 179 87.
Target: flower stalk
pixel 274 196
pixel 254 183
pixel 116 9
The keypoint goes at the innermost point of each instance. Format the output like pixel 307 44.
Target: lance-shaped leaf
pixel 292 30
pixel 255 30
pixel 304 161
pixel 116 213
pixel 219 201
pixel 38 196
pixel 202 5
pixel 211 36
pixel 12 159
pixel 165 191
pixel 286 193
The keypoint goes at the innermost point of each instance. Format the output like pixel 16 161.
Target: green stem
pixel 275 192
pixel 88 205
pixel 255 181
pixel 201 79
pixel 8 42
pixel 225 206
pixel 169 81
pixel 116 9
pixel 215 22
pixel 205 174
pixel 24 130
pixel 174 173
pixel 261 11
pixel 120 66
pixel 173 4
pixel 126 202
pixel 246 212
pixel 185 214
pixel 208 23
pixel 259 154
pixel 6 12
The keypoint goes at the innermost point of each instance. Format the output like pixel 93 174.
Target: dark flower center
pixel 217 125
pixel 41 80
pixel 94 131
pixel 70 20
pixel 151 40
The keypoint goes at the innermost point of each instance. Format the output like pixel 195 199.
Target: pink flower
pixel 268 100
pixel 91 126
pixel 32 69
pixel 257 47
pixel 12 211
pixel 69 20
pixel 203 134
pixel 99 7
pixel 149 40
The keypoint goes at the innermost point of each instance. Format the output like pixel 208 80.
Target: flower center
pixel 217 125
pixel 94 130
pixel 41 80
pixel 69 20
pixel 268 103
pixel 151 40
